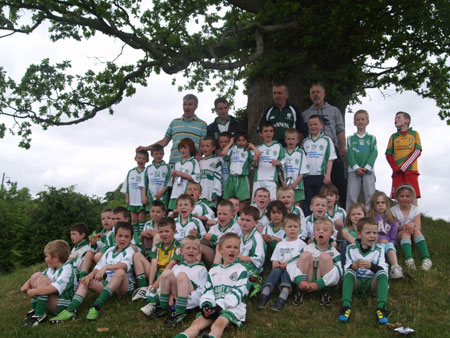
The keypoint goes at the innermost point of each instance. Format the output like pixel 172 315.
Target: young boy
pixel 287 196
pixel 334 212
pixel 201 210
pixel 185 223
pixel 289 247
pixel 320 154
pixel 366 271
pixel 319 265
pixel 133 197
pixel 149 235
pixel 271 154
pixel 210 172
pixel 185 283
pixel 156 180
pixel 402 152
pixel 52 289
pixel 318 210
pixel 223 140
pixel 223 301
pixel 116 264
pixel 78 235
pixel 361 155
pixel 295 165
pixel 261 199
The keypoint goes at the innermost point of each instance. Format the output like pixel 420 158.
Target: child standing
pixel 361 155
pixel 403 150
pixel 185 170
pixel 223 301
pixel 133 197
pixel 210 172
pixel 408 215
pixel 366 271
pixel 223 140
pixel 273 232
pixel 387 230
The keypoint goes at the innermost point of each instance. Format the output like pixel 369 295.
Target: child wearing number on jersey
pixel 223 302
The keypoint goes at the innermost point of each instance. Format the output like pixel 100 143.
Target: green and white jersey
pixel 149 225
pixel 227 287
pixel 201 209
pixel 338 213
pixel 198 275
pixel 112 256
pixel 266 171
pixel 109 240
pixel 155 178
pixel 294 165
pixel 298 211
pixel 263 220
pixel 361 151
pixel 131 186
pixel 63 280
pixel 269 230
pixel 183 229
pixel 307 228
pixel 318 153
pixel 285 250
pixel 211 178
pixel 190 167
pixel 217 231
pixel 225 171
pixel 239 160
pixel 77 255
pixel 254 247
pixel 375 256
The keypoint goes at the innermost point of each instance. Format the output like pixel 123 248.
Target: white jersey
pixel 184 229
pixel 375 255
pixel 298 211
pixel 190 167
pixel 211 177
pixel 266 171
pixel 239 160
pixel 111 257
pixel 131 186
pixel 263 221
pixel 227 287
pixel 338 214
pixel 307 228
pixel 285 250
pixel 217 231
pixel 331 278
pixel 198 275
pixel 155 178
pixel 294 165
pixel 269 230
pixel 63 280
pixel 149 225
pixel 201 209
pixel 225 171
pixel 77 254
pixel 254 247
pixel 413 212
pixel 318 153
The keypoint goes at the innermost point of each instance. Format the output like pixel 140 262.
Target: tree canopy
pixel 349 46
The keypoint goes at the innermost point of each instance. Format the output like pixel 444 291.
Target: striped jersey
pixel 77 254
pixel 164 255
pixel 201 209
pixel 318 153
pixel 269 230
pixel 217 231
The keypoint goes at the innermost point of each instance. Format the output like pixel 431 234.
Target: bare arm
pixel 164 141
pixel 42 291
pixel 327 178
pixel 342 143
pixel 227 147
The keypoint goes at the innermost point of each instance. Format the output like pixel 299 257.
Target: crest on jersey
pixel 234 276
pixel 321 147
pixel 288 115
pixel 297 161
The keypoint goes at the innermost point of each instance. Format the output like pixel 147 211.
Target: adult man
pixel 189 125
pixel 223 122
pixel 333 127
pixel 283 115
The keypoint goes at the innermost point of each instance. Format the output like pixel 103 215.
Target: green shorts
pixel 237 186
pixel 228 315
pixel 299 195
pixel 363 286
pixel 136 209
pixel 164 199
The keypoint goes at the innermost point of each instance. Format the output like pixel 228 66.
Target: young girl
pixel 355 213
pixel 380 211
pixel 409 217
pixel 335 213
pixel 187 169
pixel 273 232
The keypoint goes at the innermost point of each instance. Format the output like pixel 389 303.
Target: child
pixel 78 235
pixel 149 236
pixel 185 283
pixel 223 301
pixel 185 223
pixel 238 157
pixel 185 170
pixel 403 150
pixel 52 289
pixel 318 207
pixel 236 206
pixel 318 267
pixel 116 264
pixel 361 155
pixel 295 165
pixel 408 216
pixel 133 193
pixel 287 196
pixel 366 271
pixel 273 232
pixel 223 140
pixel 289 247
pixel 334 212
pixel 210 172
pixel 380 211
pixel 261 199
pixel 98 240
pixel 156 180
pixel 271 154
pixel 356 211
pixel 320 155
pixel 201 210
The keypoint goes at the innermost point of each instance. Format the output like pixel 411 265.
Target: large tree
pixel 349 46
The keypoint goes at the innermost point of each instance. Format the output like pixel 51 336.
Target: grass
pixel 421 303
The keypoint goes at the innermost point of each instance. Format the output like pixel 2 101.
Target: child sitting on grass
pixel 78 235
pixel 356 211
pixel 273 232
pixel 261 199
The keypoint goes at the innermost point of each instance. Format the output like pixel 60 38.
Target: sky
pixel 96 155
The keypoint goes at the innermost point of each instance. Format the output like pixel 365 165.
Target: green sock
pixel 180 306
pixel 136 228
pixel 181 335
pixel 164 300
pixel 75 303
pixel 422 246
pixel 141 280
pixel 382 290
pixel 41 306
pixel 347 288
pixel 33 302
pixel 83 274
pixel 141 226
pixel 104 296
pixel 406 248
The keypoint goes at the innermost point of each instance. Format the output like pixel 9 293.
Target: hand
pixel 207 237
pixel 361 171
pixel 171 300
pixel 267 238
pixel 99 275
pixel 144 200
pixel 409 228
pixel 174 173
pixel 86 279
pixel 193 232
pixel 342 152
pixel 93 240
pixel 283 265
pixel 313 287
pixel 31 292
pixel 275 163
pixel 326 179
pixel 159 195
pixel 365 264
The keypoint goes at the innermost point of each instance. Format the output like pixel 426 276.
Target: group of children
pixel 208 221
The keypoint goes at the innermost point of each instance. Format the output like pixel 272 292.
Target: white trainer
pixel 396 272
pixel 148 309
pixel 139 293
pixel 427 264
pixel 410 264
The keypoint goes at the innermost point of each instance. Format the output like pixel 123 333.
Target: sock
pixel 104 296
pixel 181 335
pixel 41 306
pixel 382 290
pixel 180 306
pixel 347 289
pixel 266 291
pixel 284 294
pixel 141 226
pixel 164 300
pixel 406 248
pixel 75 303
pixel 141 280
pixel 422 246
pixel 33 302
pixel 83 274
pixel 136 228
